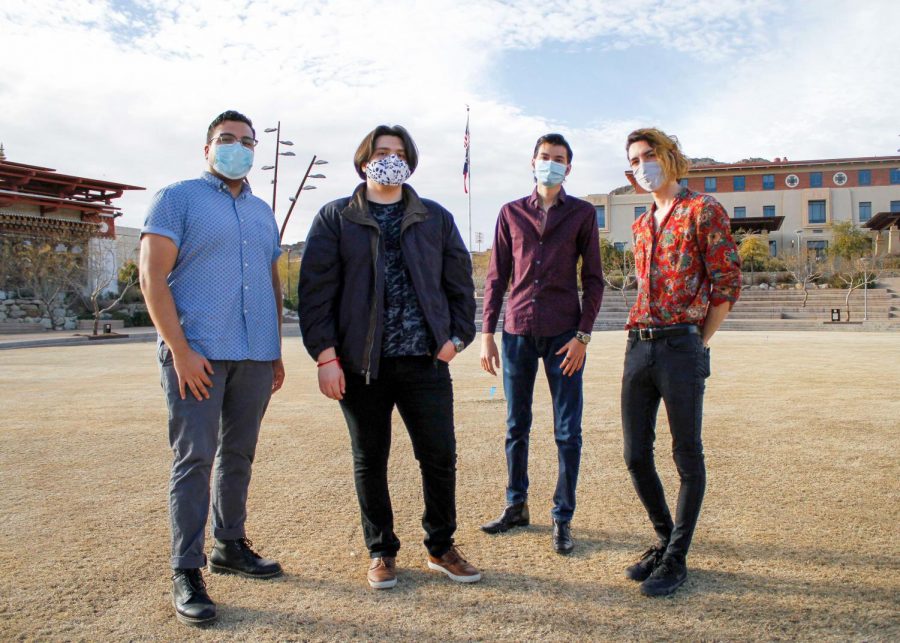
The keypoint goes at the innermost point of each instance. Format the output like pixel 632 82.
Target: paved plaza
pixel 797 538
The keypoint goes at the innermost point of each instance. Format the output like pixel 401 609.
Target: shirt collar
pixel 535 202
pixel 220 185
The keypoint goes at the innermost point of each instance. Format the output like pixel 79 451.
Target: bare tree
pixel 863 272
pixel 804 270
pixel 853 258
pixel 102 275
pixel 618 268
pixel 49 266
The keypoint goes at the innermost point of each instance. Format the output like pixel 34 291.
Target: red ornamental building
pixel 37 201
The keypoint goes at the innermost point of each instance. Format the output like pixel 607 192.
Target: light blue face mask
pixel 549 173
pixel 232 161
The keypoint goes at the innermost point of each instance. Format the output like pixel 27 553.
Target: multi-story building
pixel 792 202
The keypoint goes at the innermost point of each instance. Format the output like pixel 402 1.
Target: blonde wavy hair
pixel 674 163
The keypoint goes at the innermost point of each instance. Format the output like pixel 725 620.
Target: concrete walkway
pixel 81 338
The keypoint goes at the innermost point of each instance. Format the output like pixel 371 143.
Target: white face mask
pixel 649 175
pixel 390 170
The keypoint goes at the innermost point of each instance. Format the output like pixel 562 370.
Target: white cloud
pixel 124 90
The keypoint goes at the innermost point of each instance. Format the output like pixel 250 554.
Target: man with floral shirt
pixel 689 277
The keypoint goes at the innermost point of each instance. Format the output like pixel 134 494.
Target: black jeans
pixel 423 394
pixel 673 369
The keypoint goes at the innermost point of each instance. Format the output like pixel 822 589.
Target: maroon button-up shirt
pixel 537 256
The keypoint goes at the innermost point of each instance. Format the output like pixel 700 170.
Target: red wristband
pixel 336 359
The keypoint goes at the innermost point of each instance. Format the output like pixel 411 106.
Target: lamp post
pixel 302 187
pixel 278 143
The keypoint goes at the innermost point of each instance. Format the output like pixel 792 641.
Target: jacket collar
pixel 357 209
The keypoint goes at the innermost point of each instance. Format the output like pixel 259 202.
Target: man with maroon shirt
pixel 537 244
pixel 689 276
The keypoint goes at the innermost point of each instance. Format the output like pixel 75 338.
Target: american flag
pixel 466 163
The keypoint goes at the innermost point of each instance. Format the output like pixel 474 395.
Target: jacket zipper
pixel 370 339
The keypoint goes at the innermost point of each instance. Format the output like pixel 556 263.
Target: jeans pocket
pixel 683 343
pixel 705 365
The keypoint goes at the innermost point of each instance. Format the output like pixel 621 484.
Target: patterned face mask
pixel 390 170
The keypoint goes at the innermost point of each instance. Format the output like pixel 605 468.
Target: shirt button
pixel 246 265
pixel 538 262
pixel 533 300
pixel 245 243
pixel 246 287
pixel 535 281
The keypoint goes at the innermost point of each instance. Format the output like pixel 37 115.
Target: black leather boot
pixel 513 516
pixel 562 537
pixel 236 557
pixel 193 605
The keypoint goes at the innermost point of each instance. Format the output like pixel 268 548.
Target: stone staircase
pixel 779 310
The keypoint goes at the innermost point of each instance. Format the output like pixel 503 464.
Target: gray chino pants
pixel 221 430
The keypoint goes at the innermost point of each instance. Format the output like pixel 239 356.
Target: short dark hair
pixel 553 139
pixel 229 115
pixel 367 148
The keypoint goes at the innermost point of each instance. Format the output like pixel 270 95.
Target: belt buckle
pixel 645 333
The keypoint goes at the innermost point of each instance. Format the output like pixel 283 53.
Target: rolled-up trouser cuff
pixel 228 534
pixel 188 562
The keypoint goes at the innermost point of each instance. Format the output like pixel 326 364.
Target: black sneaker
pixel 236 557
pixel 193 605
pixel 642 569
pixel 668 576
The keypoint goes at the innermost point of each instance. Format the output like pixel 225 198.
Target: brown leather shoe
pixel 382 573
pixel 455 566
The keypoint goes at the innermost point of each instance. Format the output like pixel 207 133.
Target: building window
pixel 639 210
pixel 768 181
pixel 740 212
pixel 816 212
pixel 768 210
pixel 773 248
pixel 740 183
pixel 895 206
pixel 865 211
pixel 865 177
pixel 815 179
pixel 818 248
pixel 601 215
pixel 683 182
pixel 895 176
pixel 709 184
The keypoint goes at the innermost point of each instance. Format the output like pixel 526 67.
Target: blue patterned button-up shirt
pixel 222 279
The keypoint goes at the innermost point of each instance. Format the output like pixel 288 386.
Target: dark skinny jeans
pixel 674 370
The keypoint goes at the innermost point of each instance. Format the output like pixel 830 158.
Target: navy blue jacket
pixel 341 290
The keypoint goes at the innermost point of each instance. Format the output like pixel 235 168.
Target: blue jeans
pixel 520 363
pixel 214 438
pixel 672 370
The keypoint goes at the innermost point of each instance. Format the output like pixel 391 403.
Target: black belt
pixel 647 334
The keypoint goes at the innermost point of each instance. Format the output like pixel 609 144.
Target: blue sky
pixel 124 90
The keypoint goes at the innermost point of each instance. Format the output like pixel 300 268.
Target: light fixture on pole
pixel 278 143
pixel 302 187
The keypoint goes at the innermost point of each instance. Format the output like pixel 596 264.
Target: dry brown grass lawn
pixel 798 537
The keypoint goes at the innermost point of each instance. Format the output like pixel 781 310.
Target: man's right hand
pixel 331 381
pixel 490 356
pixel 192 369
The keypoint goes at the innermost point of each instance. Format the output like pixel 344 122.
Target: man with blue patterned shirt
pixel 209 251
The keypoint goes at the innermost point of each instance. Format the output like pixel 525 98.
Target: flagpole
pixel 469 156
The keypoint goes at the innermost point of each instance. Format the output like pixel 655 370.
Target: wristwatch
pixel 458 344
pixel 584 338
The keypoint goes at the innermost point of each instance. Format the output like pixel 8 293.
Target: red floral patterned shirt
pixel 690 263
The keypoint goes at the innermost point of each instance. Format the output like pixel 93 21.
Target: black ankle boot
pixel 513 516
pixel 193 605
pixel 236 557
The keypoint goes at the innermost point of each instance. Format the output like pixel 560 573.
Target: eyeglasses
pixel 231 139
